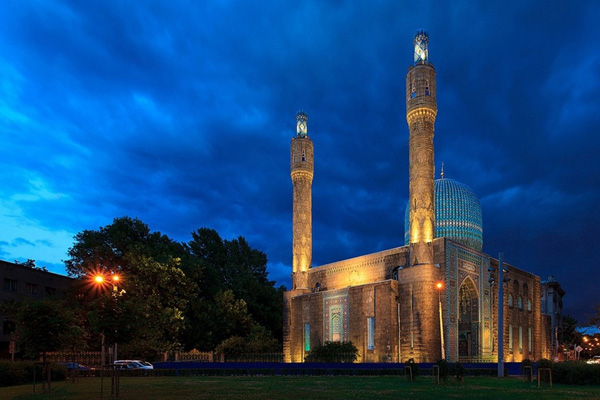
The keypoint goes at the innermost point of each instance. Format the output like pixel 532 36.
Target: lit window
pixel 521 339
pixel 510 337
pixel 306 337
pixel 529 348
pixel 370 333
pixel 520 303
pixel 528 304
pixel 510 300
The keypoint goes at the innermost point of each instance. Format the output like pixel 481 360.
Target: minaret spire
pixel 302 170
pixel 421 110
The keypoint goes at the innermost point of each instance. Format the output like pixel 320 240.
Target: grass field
pixel 288 387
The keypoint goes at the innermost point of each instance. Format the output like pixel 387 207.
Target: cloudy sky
pixel 180 113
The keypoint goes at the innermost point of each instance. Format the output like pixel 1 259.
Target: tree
pixel 220 266
pixel 595 320
pixel 149 314
pixel 569 333
pixel 44 326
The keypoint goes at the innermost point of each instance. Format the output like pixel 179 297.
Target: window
pixel 307 337
pixel 521 339
pixel 414 91
pixel 427 88
pixel 520 302
pixel 8 327
pixel 31 289
pixel 529 340
pixel 50 291
pixel 370 333
pixel 510 300
pixel 510 338
pixel 10 285
pixel 528 304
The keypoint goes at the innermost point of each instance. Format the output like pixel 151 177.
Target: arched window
pixel 510 300
pixel 520 303
pixel 427 88
pixel 414 91
pixel 528 304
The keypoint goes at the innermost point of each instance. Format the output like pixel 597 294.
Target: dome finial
pixel 442 173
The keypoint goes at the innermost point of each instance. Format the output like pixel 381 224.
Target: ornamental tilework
pixel 335 316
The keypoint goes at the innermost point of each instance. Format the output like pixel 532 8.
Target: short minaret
pixel 302 169
pixel 421 110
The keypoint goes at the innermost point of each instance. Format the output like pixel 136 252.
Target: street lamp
pixel 113 280
pixel 439 287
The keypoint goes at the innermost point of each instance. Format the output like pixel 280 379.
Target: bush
pixel 19 372
pixel 443 364
pixel 414 367
pixel 12 373
pixel 576 373
pixel 529 371
pixel 457 371
pixel 333 352
pixel 544 363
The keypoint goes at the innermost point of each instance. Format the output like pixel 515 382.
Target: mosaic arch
pixel 468 319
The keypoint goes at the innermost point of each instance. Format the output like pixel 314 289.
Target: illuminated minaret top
pixel 301 128
pixel 302 170
pixel 421 111
pixel 421 43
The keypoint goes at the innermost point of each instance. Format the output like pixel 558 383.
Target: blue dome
pixel 457 214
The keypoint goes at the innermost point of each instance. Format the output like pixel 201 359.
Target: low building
pixel 24 282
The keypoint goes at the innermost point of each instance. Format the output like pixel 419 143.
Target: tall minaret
pixel 421 109
pixel 302 167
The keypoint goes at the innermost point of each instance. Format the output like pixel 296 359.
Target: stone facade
pixel 433 298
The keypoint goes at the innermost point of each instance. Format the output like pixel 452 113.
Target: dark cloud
pixel 181 114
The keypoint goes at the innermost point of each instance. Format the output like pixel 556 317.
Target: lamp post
pixel 114 279
pixel 439 287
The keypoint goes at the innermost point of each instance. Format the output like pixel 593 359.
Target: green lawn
pixel 293 387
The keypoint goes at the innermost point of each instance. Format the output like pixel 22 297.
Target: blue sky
pixel 180 113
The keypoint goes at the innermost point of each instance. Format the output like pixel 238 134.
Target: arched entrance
pixel 468 320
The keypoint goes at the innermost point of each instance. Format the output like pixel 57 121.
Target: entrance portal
pixel 468 320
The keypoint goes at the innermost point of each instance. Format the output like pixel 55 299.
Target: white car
pixel 594 360
pixel 133 364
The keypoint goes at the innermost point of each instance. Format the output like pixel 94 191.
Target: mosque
pixel 434 297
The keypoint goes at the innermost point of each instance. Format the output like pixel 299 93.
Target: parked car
pixel 133 364
pixel 74 365
pixel 594 360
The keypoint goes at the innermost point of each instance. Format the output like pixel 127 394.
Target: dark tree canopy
pixel 173 295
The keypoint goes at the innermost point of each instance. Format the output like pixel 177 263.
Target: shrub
pixel 529 371
pixel 457 371
pixel 576 373
pixel 544 363
pixel 414 367
pixel 333 352
pixel 443 364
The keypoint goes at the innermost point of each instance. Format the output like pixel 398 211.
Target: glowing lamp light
pixel 99 278
pixel 439 285
pixel 115 278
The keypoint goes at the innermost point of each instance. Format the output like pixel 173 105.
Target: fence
pixel 87 358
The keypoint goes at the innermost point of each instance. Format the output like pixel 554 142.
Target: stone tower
pixel 420 300
pixel 302 169
pixel 421 110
